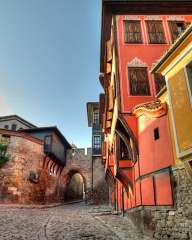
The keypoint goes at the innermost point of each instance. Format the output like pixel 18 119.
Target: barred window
pixel 155 32
pixel 176 29
pixel 132 31
pixel 159 82
pixel 138 81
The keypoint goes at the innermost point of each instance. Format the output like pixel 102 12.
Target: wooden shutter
pixel 159 82
pixel 132 32
pixel 109 51
pixel 111 98
pixel 109 115
pixel 109 68
pixel 155 32
pixel 138 81
pixel 108 124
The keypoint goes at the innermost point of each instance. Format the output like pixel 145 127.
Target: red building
pixel 137 147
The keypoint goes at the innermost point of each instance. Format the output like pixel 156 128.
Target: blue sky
pixel 49 63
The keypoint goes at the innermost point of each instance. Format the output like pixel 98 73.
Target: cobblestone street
pixel 76 221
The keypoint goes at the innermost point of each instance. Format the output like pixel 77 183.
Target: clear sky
pixel 49 63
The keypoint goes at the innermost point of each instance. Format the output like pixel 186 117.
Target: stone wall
pixel 79 162
pixel 23 179
pixel 32 177
pixel 169 222
pixel 100 187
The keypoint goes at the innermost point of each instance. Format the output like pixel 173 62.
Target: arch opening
pixel 75 188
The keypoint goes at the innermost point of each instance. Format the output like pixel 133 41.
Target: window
pixel 176 29
pixel 47 143
pixel 156 134
pixel 6 126
pixel 189 79
pixel 139 83
pixel 96 117
pixel 5 139
pixel 159 82
pixel 13 127
pixel 97 142
pixel 48 140
pixel 132 32
pixel 155 32
pixel 124 153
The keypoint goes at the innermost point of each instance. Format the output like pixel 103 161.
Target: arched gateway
pixel 75 179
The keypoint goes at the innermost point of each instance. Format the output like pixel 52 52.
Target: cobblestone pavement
pixel 69 222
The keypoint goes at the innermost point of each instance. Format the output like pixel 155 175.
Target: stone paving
pixel 69 222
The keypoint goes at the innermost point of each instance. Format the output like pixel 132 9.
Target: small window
pixel 159 82
pixel 124 153
pixel 155 32
pixel 189 79
pixel 156 133
pixel 6 126
pixel 5 139
pixel 96 117
pixel 139 82
pixel 176 29
pixel 48 140
pixel 97 142
pixel 132 32
pixel 13 127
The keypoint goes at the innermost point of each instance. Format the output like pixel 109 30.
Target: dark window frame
pixel 132 84
pixel 14 127
pixel 96 117
pixel 160 83
pixel 153 36
pixel 174 34
pixel 135 35
pixel 96 143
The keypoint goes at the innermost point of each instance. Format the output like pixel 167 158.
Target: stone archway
pixel 75 187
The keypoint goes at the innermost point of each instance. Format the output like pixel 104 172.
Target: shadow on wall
pixel 76 188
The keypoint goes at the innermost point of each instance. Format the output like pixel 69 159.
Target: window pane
pixel 139 83
pixel 155 32
pixel 159 82
pixel 14 127
pixel 47 140
pixel 132 32
pixel 97 142
pixel 95 117
pixel 176 29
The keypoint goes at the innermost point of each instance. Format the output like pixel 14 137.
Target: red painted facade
pixel 144 177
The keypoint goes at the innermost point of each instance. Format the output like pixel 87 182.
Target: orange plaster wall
pixel 132 123
pixel 147 191
pixel 154 154
pixel 138 193
pixel 163 189
pixel 136 167
pixel 147 53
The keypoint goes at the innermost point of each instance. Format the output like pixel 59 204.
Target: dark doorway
pixel 76 188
